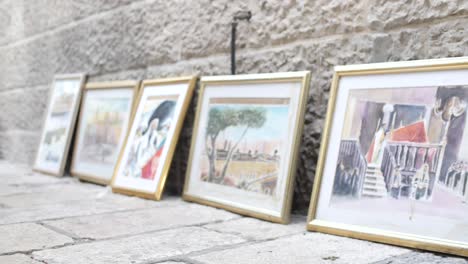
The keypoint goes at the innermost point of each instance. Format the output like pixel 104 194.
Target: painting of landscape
pixel 103 122
pixel 243 139
pixel 404 150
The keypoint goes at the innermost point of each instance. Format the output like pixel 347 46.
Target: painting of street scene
pixel 149 138
pixel 103 123
pixel 404 149
pixel 61 111
pixel 243 142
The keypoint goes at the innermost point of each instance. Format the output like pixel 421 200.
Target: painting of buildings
pixel 404 146
pixel 54 140
pixel 104 121
pixel 243 140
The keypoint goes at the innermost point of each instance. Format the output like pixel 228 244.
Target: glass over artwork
pixel 149 140
pixel 56 131
pixel 103 125
pixel 243 141
pixel 103 129
pixel 404 152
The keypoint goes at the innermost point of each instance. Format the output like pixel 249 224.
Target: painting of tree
pixel 219 119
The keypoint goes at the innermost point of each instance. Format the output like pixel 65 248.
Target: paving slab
pixel 140 221
pixel 254 229
pixel 29 236
pixel 56 193
pixel 305 248
pixel 423 258
pixel 13 170
pixel 17 259
pixel 63 220
pixel 31 184
pixel 145 248
pixel 29 177
pixel 172 262
pixel 109 203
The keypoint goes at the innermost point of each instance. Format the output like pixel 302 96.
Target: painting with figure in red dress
pixel 404 150
pixel 393 166
pixel 157 120
pixel 149 140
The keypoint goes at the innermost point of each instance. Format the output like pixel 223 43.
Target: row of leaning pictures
pixel 241 157
pixel 393 163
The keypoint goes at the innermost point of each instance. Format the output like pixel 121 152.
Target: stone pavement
pixel 61 220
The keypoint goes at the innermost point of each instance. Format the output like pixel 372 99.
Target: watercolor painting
pixel 103 122
pixel 243 139
pixel 404 150
pixel 149 141
pixel 61 111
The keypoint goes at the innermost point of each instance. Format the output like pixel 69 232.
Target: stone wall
pixel 113 40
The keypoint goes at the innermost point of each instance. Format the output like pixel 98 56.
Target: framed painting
pixel 393 165
pixel 147 154
pixel 59 124
pixel 106 111
pixel 245 143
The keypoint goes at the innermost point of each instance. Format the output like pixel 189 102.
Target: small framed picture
pixel 147 154
pixel 393 165
pixel 105 115
pixel 245 143
pixel 59 124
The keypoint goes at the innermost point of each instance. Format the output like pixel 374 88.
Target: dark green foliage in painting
pixel 219 119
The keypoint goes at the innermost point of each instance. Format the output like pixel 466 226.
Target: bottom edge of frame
pixel 237 210
pixel 92 180
pixel 149 196
pixel 389 240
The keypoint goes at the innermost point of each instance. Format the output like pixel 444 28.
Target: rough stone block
pixel 29 236
pixel 145 248
pixel 19 146
pixel 24 108
pixel 391 14
pixel 40 16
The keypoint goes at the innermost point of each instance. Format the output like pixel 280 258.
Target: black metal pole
pixel 241 15
pixel 233 47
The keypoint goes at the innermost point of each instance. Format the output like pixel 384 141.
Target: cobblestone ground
pixel 50 220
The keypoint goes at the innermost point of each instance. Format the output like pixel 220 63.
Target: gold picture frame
pixel 70 127
pixel 189 84
pixel 130 85
pixel 300 82
pixel 319 221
